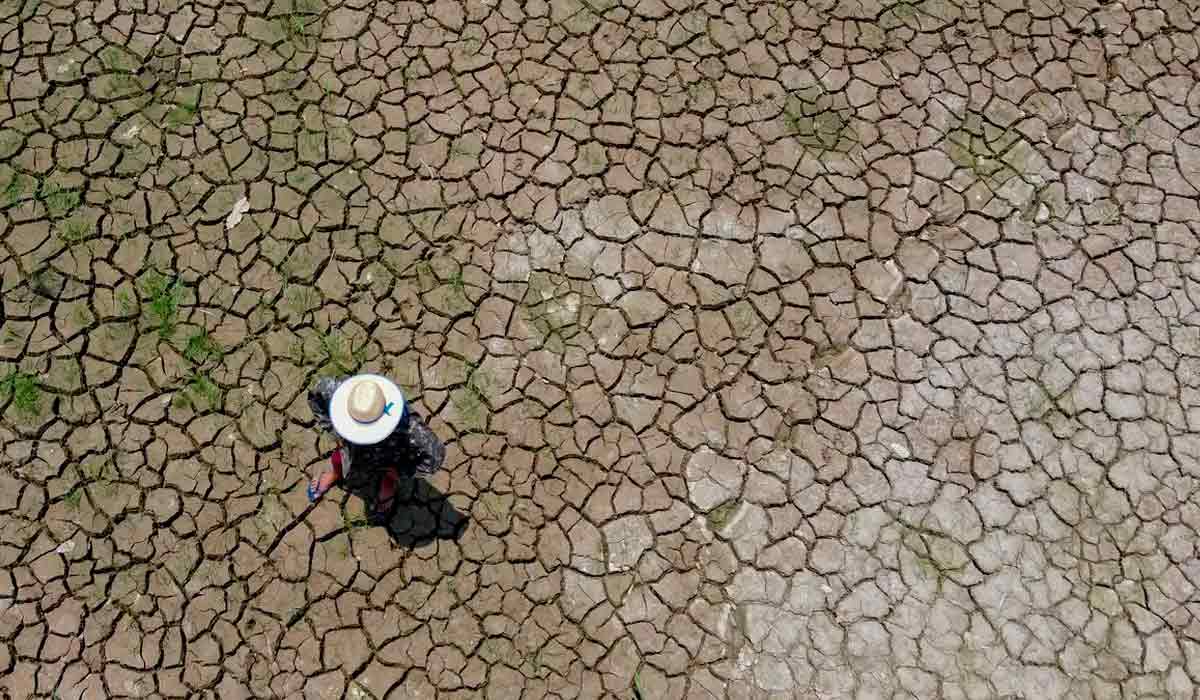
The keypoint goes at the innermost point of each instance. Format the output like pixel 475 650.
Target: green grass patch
pixel 200 392
pixel 903 10
pixel 991 154
pixel 25 391
pixel 341 354
pixel 426 277
pixel 498 510
pixel 122 69
pixel 75 230
pixel 115 59
pixel 59 201
pixel 819 121
pixel 553 325
pixel 45 282
pixel 15 188
pixel 29 8
pixel 457 283
pixel 183 113
pixel 82 315
pixel 459 148
pixel 163 295
pixel 294 27
pixel 1130 125
pixel 353 522
pixel 10 143
pixel 719 517
pixel 301 298
pixel 73 498
pixel 98 470
pixel 469 400
pixel 126 303
pixel 295 263
pixel 299 24
pixel 200 347
pixel 553 307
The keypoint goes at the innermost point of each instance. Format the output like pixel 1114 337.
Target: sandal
pixel 315 489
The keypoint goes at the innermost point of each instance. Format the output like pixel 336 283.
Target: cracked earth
pixel 781 349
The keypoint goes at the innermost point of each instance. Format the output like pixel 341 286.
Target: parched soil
pixel 805 349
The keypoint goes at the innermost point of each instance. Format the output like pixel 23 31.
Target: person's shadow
pixel 421 512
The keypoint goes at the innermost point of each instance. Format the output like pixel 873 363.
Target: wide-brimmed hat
pixel 366 408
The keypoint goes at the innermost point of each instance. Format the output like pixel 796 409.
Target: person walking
pixel 378 434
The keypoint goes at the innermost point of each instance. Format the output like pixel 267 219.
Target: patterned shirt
pixel 412 447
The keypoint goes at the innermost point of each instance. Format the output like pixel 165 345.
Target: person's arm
pixel 319 397
pixel 429 452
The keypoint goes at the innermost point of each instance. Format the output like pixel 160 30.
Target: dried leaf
pixel 239 210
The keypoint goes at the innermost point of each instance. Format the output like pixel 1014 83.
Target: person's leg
pixel 385 498
pixel 337 464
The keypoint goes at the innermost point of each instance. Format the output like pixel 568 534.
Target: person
pixel 378 432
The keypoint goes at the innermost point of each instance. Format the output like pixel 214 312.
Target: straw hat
pixel 366 408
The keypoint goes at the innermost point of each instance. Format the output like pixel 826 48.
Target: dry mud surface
pixel 828 349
